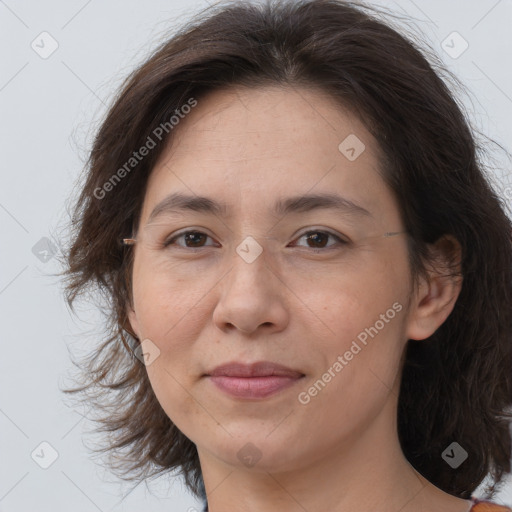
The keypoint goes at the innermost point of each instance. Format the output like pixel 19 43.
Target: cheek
pixel 354 383
pixel 362 317
pixel 169 314
pixel 348 299
pixel 175 394
pixel 167 304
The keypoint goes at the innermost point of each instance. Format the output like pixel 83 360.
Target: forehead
pixel 253 143
pixel 266 122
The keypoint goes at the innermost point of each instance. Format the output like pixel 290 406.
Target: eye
pixel 320 238
pixel 192 239
pixel 196 239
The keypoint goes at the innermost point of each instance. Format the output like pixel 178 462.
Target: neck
pixel 368 472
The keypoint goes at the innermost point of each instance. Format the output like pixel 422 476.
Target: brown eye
pixel 319 239
pixel 192 239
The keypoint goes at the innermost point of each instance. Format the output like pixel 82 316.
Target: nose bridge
pixel 249 267
pixel 250 293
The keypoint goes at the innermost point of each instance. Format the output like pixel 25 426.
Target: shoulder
pixel 488 506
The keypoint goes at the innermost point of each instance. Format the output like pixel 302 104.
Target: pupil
pixel 315 236
pixel 189 237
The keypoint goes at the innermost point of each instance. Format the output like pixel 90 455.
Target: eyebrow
pixel 296 204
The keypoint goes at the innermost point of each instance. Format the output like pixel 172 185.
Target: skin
pixel 340 451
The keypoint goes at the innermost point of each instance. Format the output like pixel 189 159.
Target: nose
pixel 252 298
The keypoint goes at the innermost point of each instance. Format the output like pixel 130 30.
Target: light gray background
pixel 49 111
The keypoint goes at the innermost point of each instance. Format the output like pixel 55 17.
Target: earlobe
pixel 437 293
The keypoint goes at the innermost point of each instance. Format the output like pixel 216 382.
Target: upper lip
pixel 259 369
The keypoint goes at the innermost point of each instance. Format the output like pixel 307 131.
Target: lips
pixel 253 381
pixel 260 369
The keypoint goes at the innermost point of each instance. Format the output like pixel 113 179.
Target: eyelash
pixel 171 241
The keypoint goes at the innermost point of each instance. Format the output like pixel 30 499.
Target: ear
pixel 436 295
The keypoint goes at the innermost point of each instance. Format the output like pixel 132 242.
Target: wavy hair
pixel 456 386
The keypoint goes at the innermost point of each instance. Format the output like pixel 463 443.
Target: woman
pixel 311 308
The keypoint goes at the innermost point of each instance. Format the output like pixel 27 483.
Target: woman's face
pixel 256 285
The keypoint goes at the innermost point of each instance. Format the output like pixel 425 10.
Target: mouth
pixel 253 381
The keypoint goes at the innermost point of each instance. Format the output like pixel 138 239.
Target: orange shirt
pixel 487 506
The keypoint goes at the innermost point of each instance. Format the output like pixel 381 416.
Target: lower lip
pixel 253 387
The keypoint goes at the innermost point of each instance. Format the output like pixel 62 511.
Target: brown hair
pixel 456 386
